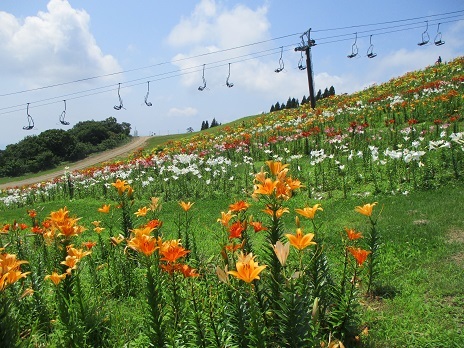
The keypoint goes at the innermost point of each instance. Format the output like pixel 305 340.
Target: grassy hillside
pixel 395 151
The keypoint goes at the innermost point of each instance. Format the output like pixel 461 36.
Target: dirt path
pixel 134 144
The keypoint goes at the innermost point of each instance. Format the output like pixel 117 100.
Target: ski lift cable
pixel 111 88
pixel 236 59
pixel 221 51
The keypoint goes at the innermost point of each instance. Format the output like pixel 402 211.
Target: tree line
pixel 206 125
pixel 52 147
pixel 294 103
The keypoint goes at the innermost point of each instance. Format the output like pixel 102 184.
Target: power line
pixel 147 67
pixel 219 51
pixel 388 22
pixel 171 74
pixel 217 64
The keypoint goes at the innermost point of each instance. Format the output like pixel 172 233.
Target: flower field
pixel 274 231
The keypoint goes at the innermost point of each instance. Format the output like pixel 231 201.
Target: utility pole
pixel 306 46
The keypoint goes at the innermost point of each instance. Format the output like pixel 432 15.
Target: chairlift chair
pixel 63 115
pixel 201 88
pixel 147 103
pixel 438 41
pixel 354 48
pixel 229 84
pixel 425 36
pixel 300 63
pixel 120 106
pixel 30 120
pixel 370 50
pixel 281 62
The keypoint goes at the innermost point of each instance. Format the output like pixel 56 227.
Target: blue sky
pixel 50 42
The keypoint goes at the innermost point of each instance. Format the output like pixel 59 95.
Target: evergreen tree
pixel 202 125
pixel 326 93
pixel 289 104
pixel 331 90
pixel 319 95
pixel 303 101
pixel 294 103
pixel 214 123
pixel 272 108
pixel 206 125
pixel 277 106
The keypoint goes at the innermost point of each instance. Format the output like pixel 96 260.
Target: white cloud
pixel 212 27
pixel 184 112
pixel 53 46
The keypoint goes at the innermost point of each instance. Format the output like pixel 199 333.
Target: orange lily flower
pixel 104 209
pixel 309 212
pixel 186 206
pixel 282 190
pixel 142 211
pixel 77 253
pixel 37 230
pixel 155 223
pixel 55 277
pixel 239 206
pixel 60 215
pixel 143 243
pixel 276 167
pixel 366 209
pixel 294 183
pixel 188 271
pixel 32 213
pixel 258 226
pixel 121 186
pixel 225 218
pixel 359 254
pixel 261 176
pixel 98 229
pixel 234 247
pixel 352 234
pixel 300 240
pixel 71 262
pixel 89 245
pixel 172 251
pixel 235 231
pixel 279 212
pixel 267 188
pixel 142 231
pixel 247 269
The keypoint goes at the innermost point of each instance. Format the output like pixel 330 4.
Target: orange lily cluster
pixel 280 185
pixel 10 271
pixel 66 225
pixel 170 251
pixel 73 258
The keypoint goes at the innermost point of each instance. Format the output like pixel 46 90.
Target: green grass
pixel 420 297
